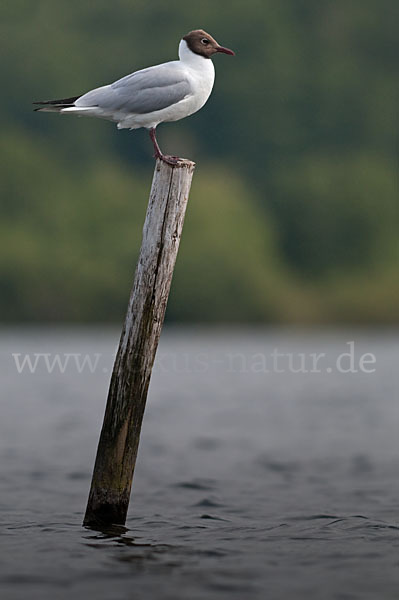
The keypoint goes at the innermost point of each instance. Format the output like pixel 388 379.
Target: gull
pixel 166 92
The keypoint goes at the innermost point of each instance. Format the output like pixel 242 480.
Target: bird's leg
pixel 171 160
pixel 158 152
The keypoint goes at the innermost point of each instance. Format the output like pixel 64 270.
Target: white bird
pixel 146 98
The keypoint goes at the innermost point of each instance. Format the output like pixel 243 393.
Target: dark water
pixel 249 484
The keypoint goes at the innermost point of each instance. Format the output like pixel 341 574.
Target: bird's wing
pixel 142 92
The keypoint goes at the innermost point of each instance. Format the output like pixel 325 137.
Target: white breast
pixel 201 72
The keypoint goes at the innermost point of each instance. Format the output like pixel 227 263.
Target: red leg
pixel 171 160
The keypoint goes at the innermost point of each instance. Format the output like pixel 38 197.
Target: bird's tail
pixel 56 105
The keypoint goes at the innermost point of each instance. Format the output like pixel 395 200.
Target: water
pixel 249 484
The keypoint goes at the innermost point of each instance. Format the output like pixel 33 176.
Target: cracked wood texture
pixel 117 450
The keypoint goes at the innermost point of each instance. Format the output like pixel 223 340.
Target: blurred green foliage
pixel 293 215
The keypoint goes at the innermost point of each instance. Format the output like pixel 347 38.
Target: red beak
pixel 225 50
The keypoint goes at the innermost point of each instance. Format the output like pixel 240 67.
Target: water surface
pixel 252 481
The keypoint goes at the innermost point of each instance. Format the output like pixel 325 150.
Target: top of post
pixel 181 163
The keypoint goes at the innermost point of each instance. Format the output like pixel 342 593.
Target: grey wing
pixel 141 92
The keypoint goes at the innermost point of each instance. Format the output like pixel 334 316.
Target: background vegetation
pixel 293 215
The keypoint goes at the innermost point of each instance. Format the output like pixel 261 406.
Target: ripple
pixel 212 517
pixel 312 517
pixel 196 484
pixel 208 503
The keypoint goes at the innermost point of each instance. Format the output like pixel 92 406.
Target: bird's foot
pixel 170 160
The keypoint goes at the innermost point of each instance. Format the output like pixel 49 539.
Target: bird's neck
pixel 196 61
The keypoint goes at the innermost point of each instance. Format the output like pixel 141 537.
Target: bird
pixel 166 92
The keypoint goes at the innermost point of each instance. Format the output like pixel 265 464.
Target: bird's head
pixel 204 44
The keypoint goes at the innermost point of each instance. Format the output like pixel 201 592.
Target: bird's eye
pixel 205 41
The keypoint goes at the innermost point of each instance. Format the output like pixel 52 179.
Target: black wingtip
pixel 63 101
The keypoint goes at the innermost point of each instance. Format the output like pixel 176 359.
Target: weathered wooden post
pixel 117 450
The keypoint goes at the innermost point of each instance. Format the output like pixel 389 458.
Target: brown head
pixel 204 44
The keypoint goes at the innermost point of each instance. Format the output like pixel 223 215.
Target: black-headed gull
pixel 146 98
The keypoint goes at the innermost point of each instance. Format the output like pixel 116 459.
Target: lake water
pixel 252 481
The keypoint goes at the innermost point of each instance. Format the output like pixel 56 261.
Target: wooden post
pixel 117 450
